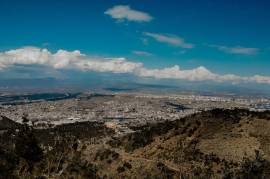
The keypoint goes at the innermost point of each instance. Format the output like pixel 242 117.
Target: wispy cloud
pixel 180 52
pixel 124 12
pixel 142 53
pixel 236 49
pixel 63 59
pixel 170 39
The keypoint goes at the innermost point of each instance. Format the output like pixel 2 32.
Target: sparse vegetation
pixel 170 149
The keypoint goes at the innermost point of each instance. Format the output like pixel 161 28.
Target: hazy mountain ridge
pixel 115 85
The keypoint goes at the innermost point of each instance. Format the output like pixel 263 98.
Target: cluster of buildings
pixel 122 109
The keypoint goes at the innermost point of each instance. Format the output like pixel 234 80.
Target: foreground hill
pixel 211 144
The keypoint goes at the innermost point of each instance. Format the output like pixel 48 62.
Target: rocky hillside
pixel 211 144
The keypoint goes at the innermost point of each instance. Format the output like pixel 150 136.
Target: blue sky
pixel 223 36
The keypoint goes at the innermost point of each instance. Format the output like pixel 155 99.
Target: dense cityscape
pixel 121 109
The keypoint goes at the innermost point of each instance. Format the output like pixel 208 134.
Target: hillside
pixel 211 144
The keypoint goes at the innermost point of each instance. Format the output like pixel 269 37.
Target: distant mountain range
pixel 82 85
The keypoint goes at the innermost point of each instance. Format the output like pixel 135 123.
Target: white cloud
pixel 197 74
pixel 170 39
pixel 123 12
pixel 236 49
pixel 114 65
pixel 260 79
pixel 142 53
pixel 63 59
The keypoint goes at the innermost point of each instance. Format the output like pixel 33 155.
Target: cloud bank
pixel 170 39
pixel 122 12
pixel 63 59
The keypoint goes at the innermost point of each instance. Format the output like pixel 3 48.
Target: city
pixel 123 109
pixel 127 89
